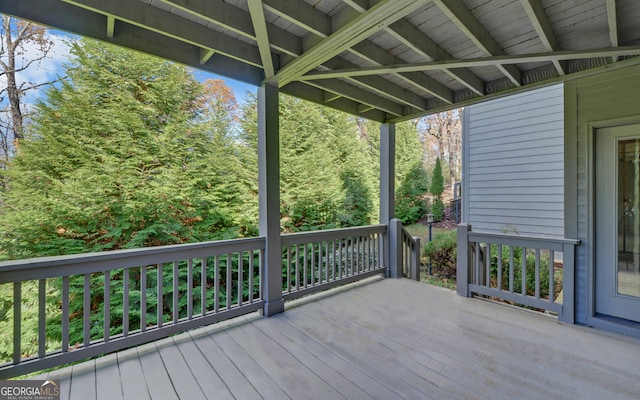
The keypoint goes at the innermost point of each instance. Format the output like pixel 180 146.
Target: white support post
pixel 387 177
pixel 269 196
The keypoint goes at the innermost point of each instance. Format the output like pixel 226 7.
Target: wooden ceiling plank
pixel 460 15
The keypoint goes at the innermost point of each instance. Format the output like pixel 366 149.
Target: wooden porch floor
pixel 387 339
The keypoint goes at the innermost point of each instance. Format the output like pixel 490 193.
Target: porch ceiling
pixel 386 60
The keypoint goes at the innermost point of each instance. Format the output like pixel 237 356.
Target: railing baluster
pixel 260 274
pixel 159 294
pixel 297 262
pixel 250 285
pixel 143 298
pixel 216 280
pixel 203 286
pixel 499 277
pixel 229 277
pixel 17 322
pixel 305 266
pixel 487 264
pixel 551 276
pixel 190 289
pixel 86 311
pixel 476 266
pixel 174 305
pixel 511 269
pixel 240 276
pixel 42 318
pixel 288 267
pixel 524 270
pixel 65 314
pixel 314 273
pixel 537 253
pixel 125 302
pixel 106 327
pixel 326 261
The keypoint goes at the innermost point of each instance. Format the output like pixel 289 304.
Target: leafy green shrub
pixel 530 271
pixel 442 251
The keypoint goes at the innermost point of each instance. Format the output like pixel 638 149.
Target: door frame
pixel 592 319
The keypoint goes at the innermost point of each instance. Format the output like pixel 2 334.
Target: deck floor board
pixel 384 339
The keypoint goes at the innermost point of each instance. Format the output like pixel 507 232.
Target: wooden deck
pixel 387 339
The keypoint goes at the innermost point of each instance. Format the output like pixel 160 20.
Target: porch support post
pixel 463 261
pixel 387 172
pixel 269 197
pixel 568 284
pixel 395 248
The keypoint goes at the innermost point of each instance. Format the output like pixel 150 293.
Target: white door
pixel 617 221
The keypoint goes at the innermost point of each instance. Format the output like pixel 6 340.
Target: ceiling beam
pixel 111 23
pixel 205 55
pixel 162 22
pixel 359 95
pixel 319 24
pixel 83 22
pixel 260 28
pixel 356 30
pixel 460 15
pixel 612 17
pixel 475 62
pixel 540 21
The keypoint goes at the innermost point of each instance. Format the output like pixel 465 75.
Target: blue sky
pixel 50 68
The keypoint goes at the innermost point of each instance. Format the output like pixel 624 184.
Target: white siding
pixel 513 164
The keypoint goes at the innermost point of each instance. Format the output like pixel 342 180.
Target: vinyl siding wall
pixel 607 99
pixel 513 164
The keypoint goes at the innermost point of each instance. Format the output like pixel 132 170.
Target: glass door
pixel 617 221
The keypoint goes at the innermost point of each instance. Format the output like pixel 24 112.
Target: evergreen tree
pixel 410 202
pixel 120 155
pixel 436 189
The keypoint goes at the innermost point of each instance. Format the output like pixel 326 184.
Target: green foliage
pixel 410 202
pixel 437 209
pixel 436 189
pixel 442 251
pixel 126 152
pixel 530 271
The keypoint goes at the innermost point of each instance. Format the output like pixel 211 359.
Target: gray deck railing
pixel 92 304
pixel 519 269
pixel 320 260
pixel 146 294
pixel 404 252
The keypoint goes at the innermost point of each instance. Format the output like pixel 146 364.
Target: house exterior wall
pixel 607 99
pixel 513 164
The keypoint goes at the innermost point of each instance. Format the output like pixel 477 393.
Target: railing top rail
pixel 330 234
pixel 518 240
pixel 45 267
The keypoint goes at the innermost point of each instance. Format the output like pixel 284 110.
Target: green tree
pixel 436 189
pixel 410 202
pixel 127 152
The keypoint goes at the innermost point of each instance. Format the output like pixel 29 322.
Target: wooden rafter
pixel 540 22
pixel 260 28
pixel 612 18
pixel 460 15
pixel 358 29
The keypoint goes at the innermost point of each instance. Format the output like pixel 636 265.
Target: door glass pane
pixel 629 217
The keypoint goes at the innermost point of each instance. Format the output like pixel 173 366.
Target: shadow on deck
pixel 386 338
